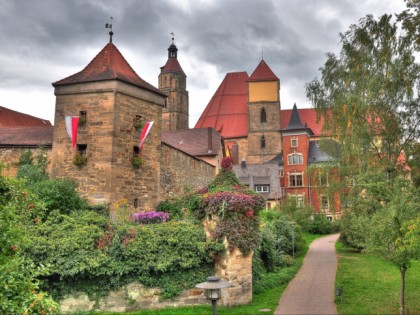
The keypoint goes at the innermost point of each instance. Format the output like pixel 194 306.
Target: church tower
pixel 173 82
pixel 264 137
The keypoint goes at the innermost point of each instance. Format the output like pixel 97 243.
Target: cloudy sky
pixel 42 41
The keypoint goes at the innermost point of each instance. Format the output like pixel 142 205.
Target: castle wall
pixel 180 172
pixel 10 156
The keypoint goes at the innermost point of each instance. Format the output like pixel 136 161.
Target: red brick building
pixel 276 151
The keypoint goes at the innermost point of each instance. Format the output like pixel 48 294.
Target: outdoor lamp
pixel 212 289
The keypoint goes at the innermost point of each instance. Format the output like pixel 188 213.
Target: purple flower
pixel 150 217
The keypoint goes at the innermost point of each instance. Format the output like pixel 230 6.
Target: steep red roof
pixel 11 118
pixel 263 73
pixel 307 116
pixel 109 64
pixel 195 142
pixel 227 111
pixel 26 136
pixel 172 65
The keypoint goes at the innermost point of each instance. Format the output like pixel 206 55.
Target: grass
pixel 372 285
pixel 266 300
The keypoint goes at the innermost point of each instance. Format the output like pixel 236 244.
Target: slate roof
pixel 11 118
pixel 263 73
pixel 308 117
pixel 315 154
pixel 32 136
pixel 227 110
pixel 108 64
pixel 294 123
pixel 195 142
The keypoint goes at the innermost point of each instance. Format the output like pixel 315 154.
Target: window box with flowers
pixel 137 161
pixel 80 159
pixel 138 122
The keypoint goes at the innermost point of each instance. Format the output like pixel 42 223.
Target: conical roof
pixel 263 73
pixel 295 123
pixel 227 110
pixel 108 64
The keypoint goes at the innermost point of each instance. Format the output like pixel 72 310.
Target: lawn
pixel 372 285
pixel 267 300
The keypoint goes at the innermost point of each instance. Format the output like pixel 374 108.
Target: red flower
pixel 249 213
pixel 24 193
pixel 36 220
pixel 13 248
pixel 31 206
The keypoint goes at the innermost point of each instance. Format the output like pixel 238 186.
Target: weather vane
pixel 173 35
pixel 109 25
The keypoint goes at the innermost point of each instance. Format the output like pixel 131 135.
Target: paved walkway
pixel 312 290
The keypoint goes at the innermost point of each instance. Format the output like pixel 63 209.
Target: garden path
pixel 312 289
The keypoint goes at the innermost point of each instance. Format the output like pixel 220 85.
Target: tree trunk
pixel 402 294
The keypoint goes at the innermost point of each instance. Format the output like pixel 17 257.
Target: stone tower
pixel 173 82
pixel 112 101
pixel 264 137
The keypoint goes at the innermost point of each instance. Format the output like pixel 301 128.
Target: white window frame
pixel 294 142
pixel 295 159
pixel 262 188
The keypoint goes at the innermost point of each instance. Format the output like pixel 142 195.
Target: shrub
pixel 59 194
pixel 321 225
pixel 150 217
pixel 20 289
pixel 87 253
pixel 32 169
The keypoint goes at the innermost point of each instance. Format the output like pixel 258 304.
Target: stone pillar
pixel 237 269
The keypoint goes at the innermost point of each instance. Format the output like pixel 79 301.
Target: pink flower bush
pixel 150 217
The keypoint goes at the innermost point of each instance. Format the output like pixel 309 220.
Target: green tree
pixel 369 97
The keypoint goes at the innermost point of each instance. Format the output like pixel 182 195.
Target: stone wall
pixel 10 158
pixel 133 296
pixel 237 269
pixel 180 172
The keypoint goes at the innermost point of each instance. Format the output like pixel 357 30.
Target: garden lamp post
pixel 212 289
pixel 293 237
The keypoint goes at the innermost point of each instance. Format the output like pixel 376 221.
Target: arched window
pixel 263 115
pixel 262 142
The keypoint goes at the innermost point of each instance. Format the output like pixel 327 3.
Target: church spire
pixel 172 50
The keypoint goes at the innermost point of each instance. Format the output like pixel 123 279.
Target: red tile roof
pixel 172 65
pixel 11 118
pixel 26 136
pixel 263 73
pixel 195 142
pixel 308 117
pixel 227 110
pixel 109 64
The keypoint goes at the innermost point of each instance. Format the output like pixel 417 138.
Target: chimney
pixel 209 140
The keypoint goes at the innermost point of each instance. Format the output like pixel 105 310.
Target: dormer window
pixel 263 116
pixel 294 142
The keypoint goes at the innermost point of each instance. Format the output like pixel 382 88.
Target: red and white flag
pixel 145 132
pixel 72 123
